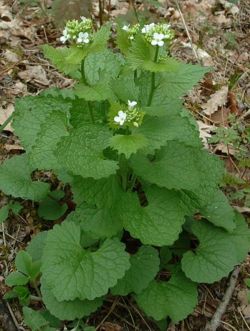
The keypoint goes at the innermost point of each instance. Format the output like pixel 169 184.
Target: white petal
pixel 123 117
pixel 161 36
pixel 121 113
pixel 131 37
pixel 65 32
pixel 156 35
pixel 117 119
pixel 160 43
pixel 125 27
pixel 154 42
pixel 86 41
pixel 132 104
pixel 63 39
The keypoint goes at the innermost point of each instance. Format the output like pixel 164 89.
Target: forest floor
pixel 213 33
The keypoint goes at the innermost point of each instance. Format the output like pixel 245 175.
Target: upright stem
pixel 91 113
pixel 101 12
pixel 153 78
pixel 132 4
pixel 123 171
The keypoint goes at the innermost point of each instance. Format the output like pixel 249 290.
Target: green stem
pixel 135 11
pixel 91 113
pixel 3 126
pixel 82 70
pixel 135 75
pixel 35 298
pixel 123 172
pixel 153 78
pixel 133 181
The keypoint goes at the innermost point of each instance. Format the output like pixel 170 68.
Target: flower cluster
pixel 131 30
pixel 157 34
pixel 79 32
pixel 130 115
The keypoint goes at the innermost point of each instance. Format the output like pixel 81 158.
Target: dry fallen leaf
pixel 225 149
pixel 5 113
pixel 107 326
pixel 12 147
pixel 205 132
pixel 218 99
pixel 11 56
pixel 34 73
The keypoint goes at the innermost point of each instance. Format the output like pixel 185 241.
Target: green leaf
pixel 22 293
pixel 165 256
pixel 99 92
pixel 82 152
pixel 159 130
pixel 51 209
pixel 177 166
pixel 25 264
pixel 141 56
pixel 16 278
pixel 15 207
pixel 102 66
pixel 247 282
pixel 105 192
pixel 219 212
pixel 241 237
pixel 4 213
pixel 89 274
pixel 15 179
pixel 31 113
pixel 128 144
pixel 102 222
pixel 34 319
pixel 144 267
pixel 61 59
pixel 123 41
pixel 67 310
pixel 178 82
pixel 36 245
pixel 176 298
pixel 218 251
pixel 124 87
pixel 160 222
pixel 42 154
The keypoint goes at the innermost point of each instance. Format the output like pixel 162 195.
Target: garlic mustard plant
pixel 131 172
pixel 76 31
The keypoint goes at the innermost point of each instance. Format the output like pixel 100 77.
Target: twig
pixel 248 328
pixel 109 313
pixel 216 319
pixel 13 317
pixel 4 238
pixel 186 29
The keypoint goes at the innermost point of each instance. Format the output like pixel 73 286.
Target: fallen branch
pixel 216 319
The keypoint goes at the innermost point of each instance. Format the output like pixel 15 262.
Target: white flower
pixel 83 37
pixel 65 36
pixel 125 28
pixel 158 39
pixel 131 37
pixel 83 18
pixel 147 28
pixel 121 118
pixel 131 104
